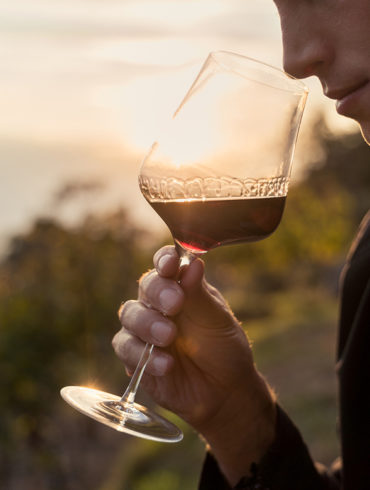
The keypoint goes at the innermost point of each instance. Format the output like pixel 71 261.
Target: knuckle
pixel 116 341
pixel 166 261
pixel 127 348
pixel 147 285
pixel 136 320
pixel 147 276
pixel 124 348
pixel 125 308
pixel 166 250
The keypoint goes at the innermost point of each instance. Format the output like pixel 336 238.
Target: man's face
pixel 331 39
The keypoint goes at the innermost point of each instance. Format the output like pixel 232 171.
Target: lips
pixel 349 97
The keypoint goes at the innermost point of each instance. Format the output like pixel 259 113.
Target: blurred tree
pixel 60 288
pixel 322 214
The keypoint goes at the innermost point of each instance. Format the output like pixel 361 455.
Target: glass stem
pixel 130 393
pixel 128 397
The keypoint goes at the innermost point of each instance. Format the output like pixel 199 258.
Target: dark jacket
pixel 288 464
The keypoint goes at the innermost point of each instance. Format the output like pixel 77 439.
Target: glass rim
pixel 291 84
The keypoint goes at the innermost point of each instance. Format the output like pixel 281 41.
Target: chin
pixel 365 131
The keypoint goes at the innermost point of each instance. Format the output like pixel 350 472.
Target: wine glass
pixel 219 174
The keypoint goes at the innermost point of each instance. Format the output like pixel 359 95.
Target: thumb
pixel 204 304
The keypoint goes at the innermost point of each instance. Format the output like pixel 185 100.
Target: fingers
pixel 192 277
pixel 141 325
pixel 204 304
pixel 147 324
pixel 161 296
pixel 166 261
pixel 160 293
pixel 129 349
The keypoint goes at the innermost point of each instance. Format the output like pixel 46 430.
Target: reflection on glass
pixel 218 175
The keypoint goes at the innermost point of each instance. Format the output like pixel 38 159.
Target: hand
pixel 202 366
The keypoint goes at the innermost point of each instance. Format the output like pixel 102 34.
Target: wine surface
pixel 200 225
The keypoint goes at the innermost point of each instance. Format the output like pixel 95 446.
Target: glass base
pixel 131 418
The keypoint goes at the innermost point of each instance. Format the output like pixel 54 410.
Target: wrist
pixel 243 429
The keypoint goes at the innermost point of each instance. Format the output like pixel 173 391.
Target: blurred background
pixel 84 88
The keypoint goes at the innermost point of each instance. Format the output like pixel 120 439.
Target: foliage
pixel 60 289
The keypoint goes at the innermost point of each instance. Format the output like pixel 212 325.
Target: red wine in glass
pixel 201 225
pixel 203 178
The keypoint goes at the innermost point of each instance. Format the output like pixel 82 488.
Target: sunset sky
pixel 85 84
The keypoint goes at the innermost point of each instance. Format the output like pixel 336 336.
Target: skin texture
pixel 330 39
pixel 202 367
pixel 203 361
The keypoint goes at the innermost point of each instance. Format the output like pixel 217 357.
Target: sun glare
pixel 144 106
pixel 164 52
pixel 179 14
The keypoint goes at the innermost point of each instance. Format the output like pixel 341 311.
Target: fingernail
pixel 167 299
pixel 160 365
pixel 163 261
pixel 160 332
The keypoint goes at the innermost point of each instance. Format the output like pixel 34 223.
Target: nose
pixel 306 49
